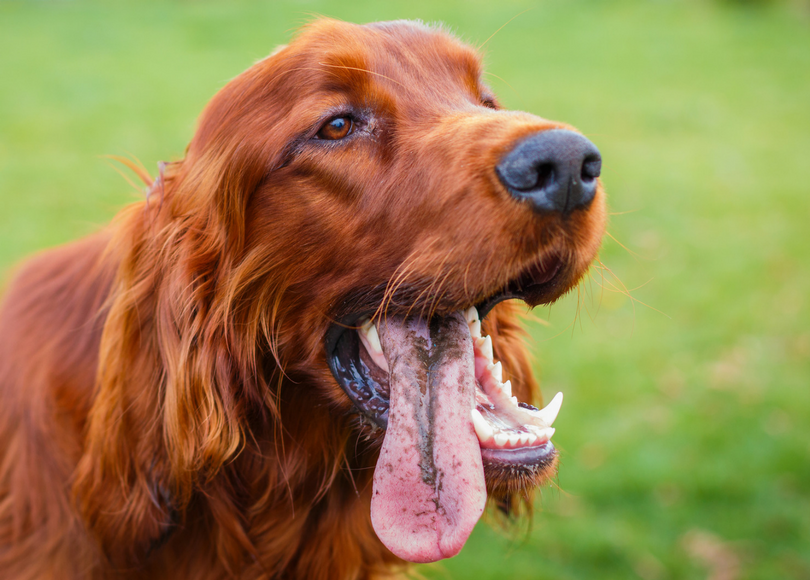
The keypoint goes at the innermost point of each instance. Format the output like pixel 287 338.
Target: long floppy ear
pixel 182 353
pixel 123 486
pixel 175 375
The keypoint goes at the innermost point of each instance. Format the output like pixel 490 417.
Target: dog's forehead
pixel 399 53
pixel 403 69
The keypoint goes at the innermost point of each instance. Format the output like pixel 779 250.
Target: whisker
pixel 629 251
pixel 625 291
pixel 480 47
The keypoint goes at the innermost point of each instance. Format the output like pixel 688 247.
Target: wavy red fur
pixel 167 408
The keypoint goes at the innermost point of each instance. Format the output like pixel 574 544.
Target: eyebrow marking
pixel 365 70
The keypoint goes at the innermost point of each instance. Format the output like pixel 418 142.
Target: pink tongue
pixel 429 488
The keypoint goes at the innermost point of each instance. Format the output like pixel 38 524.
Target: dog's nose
pixel 554 170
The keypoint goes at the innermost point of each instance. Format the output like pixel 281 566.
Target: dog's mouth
pixel 449 417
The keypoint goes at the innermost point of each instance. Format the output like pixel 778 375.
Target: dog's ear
pixel 171 389
pixel 124 486
pixel 123 481
pixel 186 330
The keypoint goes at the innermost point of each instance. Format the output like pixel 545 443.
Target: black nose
pixel 555 170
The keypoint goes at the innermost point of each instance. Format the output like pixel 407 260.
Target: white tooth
pixel 514 439
pixel 486 348
pixel 496 371
pixel 482 427
pixel 374 339
pixel 524 438
pixel 371 339
pixel 475 328
pixel 542 434
pixel 549 413
pixel 471 314
pixel 507 390
pixel 501 439
pixel 532 438
pixel 514 401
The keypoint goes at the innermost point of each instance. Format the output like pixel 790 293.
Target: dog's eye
pixel 489 103
pixel 336 128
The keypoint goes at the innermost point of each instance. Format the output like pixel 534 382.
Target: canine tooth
pixel 471 314
pixel 514 439
pixel 475 328
pixel 507 390
pixel 501 439
pixel 549 413
pixel 486 348
pixel 482 428
pixel 371 339
pixel 374 339
pixel 496 371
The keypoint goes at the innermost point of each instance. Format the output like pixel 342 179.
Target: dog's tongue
pixel 429 488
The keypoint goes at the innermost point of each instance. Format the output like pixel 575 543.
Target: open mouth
pixel 449 416
pixel 501 422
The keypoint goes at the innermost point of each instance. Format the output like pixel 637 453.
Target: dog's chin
pixel 514 437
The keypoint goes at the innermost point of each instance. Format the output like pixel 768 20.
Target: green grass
pixel 685 431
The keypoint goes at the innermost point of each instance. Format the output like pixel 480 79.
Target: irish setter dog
pixel 295 359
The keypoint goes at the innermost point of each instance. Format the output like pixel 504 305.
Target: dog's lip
pixel 538 456
pixel 538 283
pixel 370 398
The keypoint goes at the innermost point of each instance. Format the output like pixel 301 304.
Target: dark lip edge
pixel 534 455
pixel 542 291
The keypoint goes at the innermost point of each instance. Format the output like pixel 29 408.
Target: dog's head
pixel 397 204
pixel 359 207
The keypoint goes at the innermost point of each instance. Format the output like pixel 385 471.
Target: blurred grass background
pixel 685 437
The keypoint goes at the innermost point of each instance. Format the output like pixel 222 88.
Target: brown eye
pixel 337 128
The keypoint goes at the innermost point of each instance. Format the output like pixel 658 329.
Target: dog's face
pixel 390 205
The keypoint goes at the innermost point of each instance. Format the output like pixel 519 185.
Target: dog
pixel 299 356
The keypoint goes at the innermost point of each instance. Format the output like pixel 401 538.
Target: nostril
pixel 545 175
pixel 591 167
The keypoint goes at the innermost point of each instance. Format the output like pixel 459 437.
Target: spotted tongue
pixel 429 488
